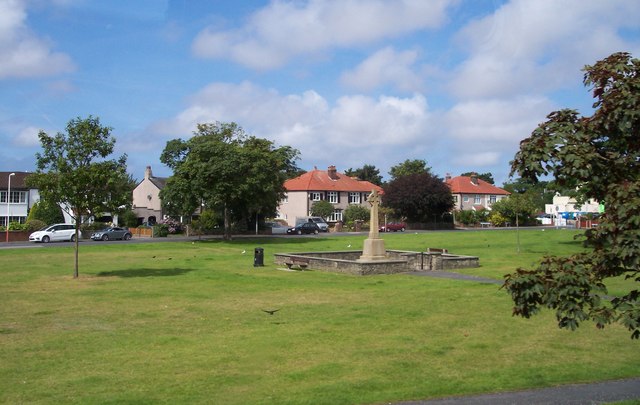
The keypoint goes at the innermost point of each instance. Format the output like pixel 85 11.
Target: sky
pixel 457 83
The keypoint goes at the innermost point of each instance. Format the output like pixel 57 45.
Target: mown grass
pixel 182 322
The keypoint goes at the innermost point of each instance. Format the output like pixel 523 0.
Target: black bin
pixel 258 257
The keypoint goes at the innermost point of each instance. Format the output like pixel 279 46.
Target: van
pixel 322 224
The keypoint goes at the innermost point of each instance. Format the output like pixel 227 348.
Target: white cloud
pixel 484 133
pixel 285 29
pixel 28 137
pixel 354 127
pixel 385 67
pixel 538 46
pixel 23 53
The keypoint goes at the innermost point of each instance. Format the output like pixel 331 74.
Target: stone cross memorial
pixel 373 248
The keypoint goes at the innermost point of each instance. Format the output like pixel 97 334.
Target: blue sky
pixel 457 83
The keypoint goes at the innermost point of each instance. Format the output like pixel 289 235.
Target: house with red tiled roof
pixel 473 193
pixel 328 185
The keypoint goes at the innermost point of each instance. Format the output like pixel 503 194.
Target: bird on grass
pixel 271 311
pixel 348 246
pixel 244 251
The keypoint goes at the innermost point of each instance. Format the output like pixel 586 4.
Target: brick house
pixel 19 201
pixel 472 193
pixel 146 198
pixel 318 185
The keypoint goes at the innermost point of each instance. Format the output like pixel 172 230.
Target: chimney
pixel 147 173
pixel 447 177
pixel 474 178
pixel 333 174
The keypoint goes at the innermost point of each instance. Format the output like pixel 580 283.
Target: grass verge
pixel 182 322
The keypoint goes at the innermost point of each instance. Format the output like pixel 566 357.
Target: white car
pixel 54 233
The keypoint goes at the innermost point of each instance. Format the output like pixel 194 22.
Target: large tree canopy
pixel 415 166
pixel 226 170
pixel 367 173
pixel 599 156
pixel 73 171
pixel 418 197
pixel 488 177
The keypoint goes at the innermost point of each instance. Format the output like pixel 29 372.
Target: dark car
pixel 111 234
pixel 306 228
pixel 393 226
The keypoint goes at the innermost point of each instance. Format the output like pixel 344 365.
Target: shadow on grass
pixel 144 273
pixel 279 240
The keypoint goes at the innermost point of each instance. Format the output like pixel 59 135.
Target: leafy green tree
pixel 418 197
pixel 488 177
pixel 599 156
pixel 322 209
pixel 540 192
pixel 516 209
pixel 46 212
pixel 367 173
pixel 73 171
pixel 409 167
pixel 356 212
pixel 224 169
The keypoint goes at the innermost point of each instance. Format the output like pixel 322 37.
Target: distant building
pixel 566 208
pixel 146 198
pixel 473 193
pixel 328 185
pixel 20 200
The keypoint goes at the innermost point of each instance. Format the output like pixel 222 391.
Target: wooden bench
pixel 301 262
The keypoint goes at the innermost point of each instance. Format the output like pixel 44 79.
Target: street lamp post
pixel 8 199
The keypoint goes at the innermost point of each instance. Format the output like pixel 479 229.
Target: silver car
pixel 111 234
pixel 54 233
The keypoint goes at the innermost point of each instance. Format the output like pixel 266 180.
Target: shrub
pixel 33 225
pixel 356 212
pixel 160 230
pixel 172 225
pixel 17 226
pixel 497 219
pixel 129 219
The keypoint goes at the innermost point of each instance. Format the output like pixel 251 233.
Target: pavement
pixel 574 394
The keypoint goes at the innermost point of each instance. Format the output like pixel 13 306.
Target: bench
pixel 436 250
pixel 301 262
pixel 485 224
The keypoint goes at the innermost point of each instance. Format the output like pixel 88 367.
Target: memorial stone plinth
pixel 373 248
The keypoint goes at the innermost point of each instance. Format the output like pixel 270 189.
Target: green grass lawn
pixel 182 322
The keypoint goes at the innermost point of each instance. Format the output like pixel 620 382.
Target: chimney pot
pixel 333 174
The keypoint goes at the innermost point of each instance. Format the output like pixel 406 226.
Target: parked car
pixel 277 228
pixel 393 226
pixel 305 227
pixel 54 233
pixel 111 233
pixel 322 224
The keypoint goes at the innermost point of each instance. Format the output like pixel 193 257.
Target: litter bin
pixel 258 257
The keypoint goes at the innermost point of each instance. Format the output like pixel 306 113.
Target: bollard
pixel 258 257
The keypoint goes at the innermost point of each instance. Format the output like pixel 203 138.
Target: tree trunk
pixel 76 245
pixel 227 224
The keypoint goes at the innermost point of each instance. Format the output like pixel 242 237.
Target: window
pixel 285 199
pixel 478 199
pixel 315 196
pixel 20 220
pixel 455 199
pixel 465 199
pixel 493 199
pixel 354 198
pixel 336 216
pixel 332 197
pixel 17 197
